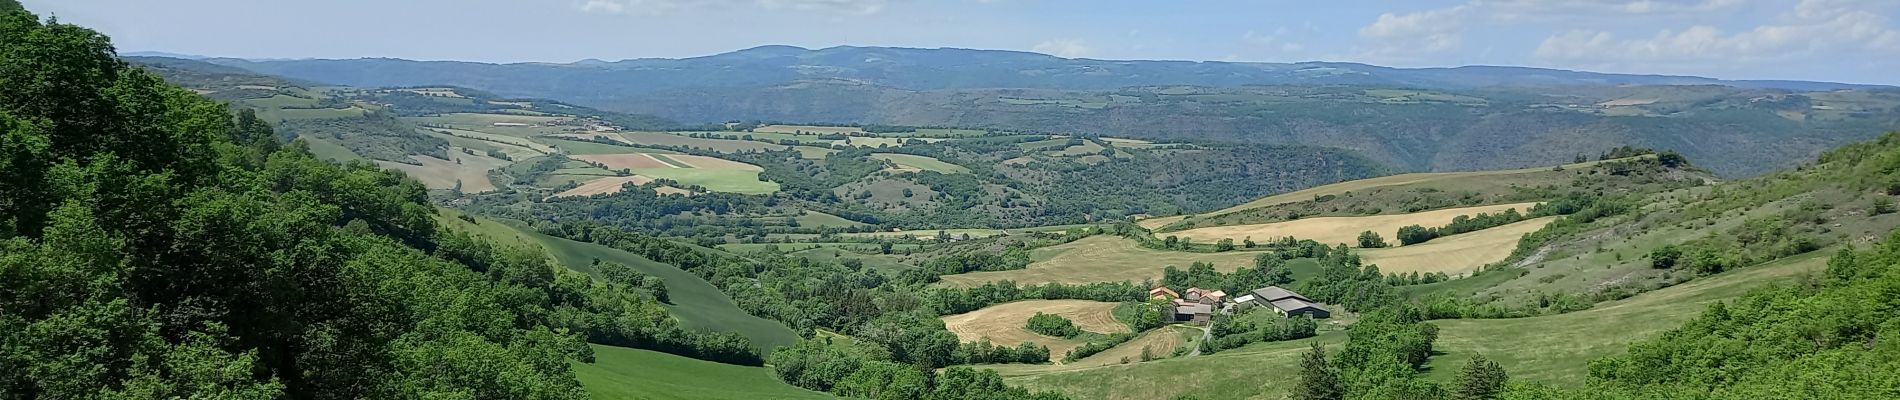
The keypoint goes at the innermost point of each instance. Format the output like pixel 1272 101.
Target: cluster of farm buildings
pixel 1197 305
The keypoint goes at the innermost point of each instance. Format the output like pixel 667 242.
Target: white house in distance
pixel 1283 301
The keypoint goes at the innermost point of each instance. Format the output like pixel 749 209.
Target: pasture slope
pixel 623 373
pixel 1003 324
pixel 1100 258
pixel 695 302
pixel 1335 230
pixel 1556 349
pixel 1389 181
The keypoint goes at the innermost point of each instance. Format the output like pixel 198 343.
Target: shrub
pixel 1052 325
pixel 1883 205
pixel 1665 257
pixel 1371 240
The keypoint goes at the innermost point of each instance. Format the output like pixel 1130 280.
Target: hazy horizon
pixel 1854 41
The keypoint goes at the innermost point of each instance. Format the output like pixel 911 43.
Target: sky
pixel 1854 41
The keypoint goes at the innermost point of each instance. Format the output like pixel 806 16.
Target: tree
pixel 1371 240
pixel 1052 325
pixel 1481 379
pixel 1225 244
pixel 1414 234
pixel 1318 381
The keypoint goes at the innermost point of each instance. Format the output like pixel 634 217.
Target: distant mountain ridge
pixel 932 69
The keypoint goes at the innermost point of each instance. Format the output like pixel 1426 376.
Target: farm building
pixel 1162 293
pixel 1285 302
pixel 1193 313
pixel 1205 296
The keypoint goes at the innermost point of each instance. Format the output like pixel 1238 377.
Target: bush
pixel 1371 240
pixel 1053 325
pixel 1883 205
pixel 1414 234
pixel 1665 257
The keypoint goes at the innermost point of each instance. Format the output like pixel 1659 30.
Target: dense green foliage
pixel 857 370
pixel 1414 234
pixel 1821 339
pixel 1052 325
pixel 1238 329
pixel 154 244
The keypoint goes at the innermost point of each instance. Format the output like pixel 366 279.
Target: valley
pixel 936 223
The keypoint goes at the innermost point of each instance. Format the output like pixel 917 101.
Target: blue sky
pixel 1832 40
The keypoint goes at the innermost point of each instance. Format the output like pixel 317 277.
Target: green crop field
pixel 696 303
pixel 623 373
pixel 922 163
pixel 719 180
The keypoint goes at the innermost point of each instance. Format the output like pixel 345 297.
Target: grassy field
pixel 1100 259
pixel 1088 147
pixel 818 219
pixel 1158 222
pixel 1004 323
pixel 577 147
pixel 696 303
pixel 470 172
pixel 1457 253
pixel 1335 230
pixel 623 373
pixel 1556 349
pixel 807 129
pixel 328 150
pixel 1255 371
pixel 719 145
pixel 718 180
pixel 907 162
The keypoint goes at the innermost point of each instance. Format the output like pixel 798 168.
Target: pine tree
pixel 1318 381
pixel 1481 380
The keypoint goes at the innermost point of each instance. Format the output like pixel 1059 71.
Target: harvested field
pixel 1003 323
pixel 625 161
pixel 440 174
pixel 1100 258
pixel 1455 254
pixel 1125 141
pixel 1333 230
pixel 1159 342
pixel 1157 223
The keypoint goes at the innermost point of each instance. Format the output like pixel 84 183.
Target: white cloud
pixel 1811 32
pixel 1065 48
pixel 1518 9
pixel 661 7
pixel 1275 40
pixel 1414 35
pixel 1421 35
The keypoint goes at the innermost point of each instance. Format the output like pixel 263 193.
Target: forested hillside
pixel 157 245
pixel 1433 119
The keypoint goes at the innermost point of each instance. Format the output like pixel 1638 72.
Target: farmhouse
pixel 1285 302
pixel 1193 313
pixel 1204 296
pixel 1162 293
